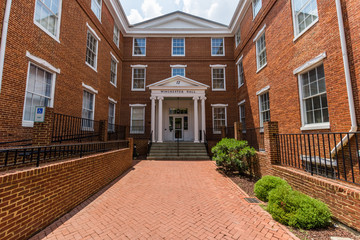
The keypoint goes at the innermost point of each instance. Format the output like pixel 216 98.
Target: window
pixel 88 106
pixel 240 73
pixel 139 47
pixel 178 72
pixel 137 120
pixel 39 92
pixel 314 97
pixel 47 16
pixel 116 37
pixel 113 71
pixel 96 8
pixel 138 82
pixel 219 119
pixel 242 115
pixel 178 47
pixel 91 50
pixel 256 4
pixel 261 52
pixel 264 103
pixel 218 79
pixel 305 15
pixel 111 118
pixel 217 47
pixel 237 38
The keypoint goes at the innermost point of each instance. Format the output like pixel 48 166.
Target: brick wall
pixel 32 199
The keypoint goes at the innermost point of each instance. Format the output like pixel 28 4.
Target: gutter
pixel 354 127
pixel 3 38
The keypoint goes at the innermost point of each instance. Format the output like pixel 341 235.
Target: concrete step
pixel 175 154
pixel 178 158
pixel 169 151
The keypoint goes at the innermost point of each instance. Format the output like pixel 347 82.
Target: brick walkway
pixel 168 200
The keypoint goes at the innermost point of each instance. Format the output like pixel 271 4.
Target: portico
pixel 178 110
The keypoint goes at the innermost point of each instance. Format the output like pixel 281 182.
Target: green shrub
pixel 297 210
pixel 231 154
pixel 266 184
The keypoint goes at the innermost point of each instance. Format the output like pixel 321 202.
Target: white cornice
pixel 42 63
pixel 310 64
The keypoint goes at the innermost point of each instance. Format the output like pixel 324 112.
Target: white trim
pixel 173 68
pixel 305 30
pixel 219 105
pixel 212 78
pixel 93 112
pixel 139 66
pixel 316 126
pixel 112 100
pixel 172 47
pixel 137 105
pixel 262 91
pixel 89 88
pixel 295 23
pixel 214 55
pixel 132 79
pixel 93 32
pixel 257 71
pixel 178 66
pixel 310 64
pixel 131 117
pixel 213 106
pixel 133 48
pixel 4 38
pixel 98 17
pixel 253 9
pixel 238 72
pixel 118 40
pixel 240 59
pixel 260 33
pixel 42 63
pixel 114 57
pixel 218 66
pixel 113 124
pixel 241 103
pixel 116 65
pixel 97 51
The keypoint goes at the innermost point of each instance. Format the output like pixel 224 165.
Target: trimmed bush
pixel 266 184
pixel 297 210
pixel 231 154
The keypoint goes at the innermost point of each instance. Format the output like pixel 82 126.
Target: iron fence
pixel 332 155
pixel 68 128
pixel 254 137
pixel 35 155
pixel 17 143
pixel 116 132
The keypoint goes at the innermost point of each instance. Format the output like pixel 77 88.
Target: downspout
pixel 3 38
pixel 348 80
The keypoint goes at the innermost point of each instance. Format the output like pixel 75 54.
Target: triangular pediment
pixel 178 82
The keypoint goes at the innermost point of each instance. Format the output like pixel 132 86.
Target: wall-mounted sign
pixel 39 114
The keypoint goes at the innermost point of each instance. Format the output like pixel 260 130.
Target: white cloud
pixel 177 2
pixel 212 10
pixel 135 16
pixel 151 9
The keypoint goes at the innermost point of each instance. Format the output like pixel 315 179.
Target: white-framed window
pixel 39 92
pixel 218 78
pixel 91 50
pixel 96 8
pixel 113 70
pixel 178 72
pixel 219 117
pixel 261 59
pixel 138 79
pixel 237 38
pixel 88 110
pixel 242 115
pixel 314 97
pixel 256 6
pixel 139 47
pixel 116 37
pixel 47 16
pixel 264 107
pixel 178 47
pixel 111 117
pixel 305 15
pixel 217 47
pixel 137 120
pixel 240 70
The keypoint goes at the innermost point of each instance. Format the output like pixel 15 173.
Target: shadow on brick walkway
pixel 168 200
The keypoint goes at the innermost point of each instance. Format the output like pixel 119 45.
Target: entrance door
pixel 179 128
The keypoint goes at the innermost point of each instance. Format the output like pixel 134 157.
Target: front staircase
pixel 178 151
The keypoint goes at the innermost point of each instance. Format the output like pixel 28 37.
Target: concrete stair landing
pixel 169 151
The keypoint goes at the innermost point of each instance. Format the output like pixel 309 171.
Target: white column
pixel 203 119
pixel 196 120
pixel 160 125
pixel 153 117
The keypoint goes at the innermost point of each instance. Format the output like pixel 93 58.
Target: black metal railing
pixel 206 143
pixel 332 155
pixel 68 128
pixel 116 132
pixel 17 143
pixel 25 156
pixel 254 137
pixel 150 141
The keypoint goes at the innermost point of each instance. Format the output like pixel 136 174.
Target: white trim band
pixel 42 63
pixel 178 66
pixel 114 57
pixel 264 90
pixel 310 64
pixel 260 33
pixel 139 66
pixel 219 105
pixel 93 32
pixel 316 126
pixel 241 103
pixel 137 105
pixel 112 100
pixel 240 59
pixel 218 66
pixel 89 88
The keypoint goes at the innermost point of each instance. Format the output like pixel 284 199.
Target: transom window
pixel 178 111
pixel 178 46
pixel 242 115
pixel 264 102
pixel 261 58
pixel 91 50
pixel 178 72
pixel 111 118
pixel 314 96
pixel 39 91
pixel 137 120
pixel 238 38
pixel 305 14
pixel 139 46
pixel 256 4
pixel 87 122
pixel 116 37
pixel 96 8
pixel 138 79
pixel 218 78
pixel 240 73
pixel 113 71
pixel 217 47
pixel 47 14
pixel 219 119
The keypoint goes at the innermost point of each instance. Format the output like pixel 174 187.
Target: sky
pixel 216 10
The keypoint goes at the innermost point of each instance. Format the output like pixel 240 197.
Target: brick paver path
pixel 168 200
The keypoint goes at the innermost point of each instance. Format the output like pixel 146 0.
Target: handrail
pixel 150 142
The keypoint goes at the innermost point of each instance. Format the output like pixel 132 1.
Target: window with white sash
pixel 88 108
pixel 264 107
pixel 111 117
pixel 91 50
pixel 256 5
pixel 137 120
pixel 96 8
pixel 305 14
pixel 219 118
pixel 47 16
pixel 116 37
